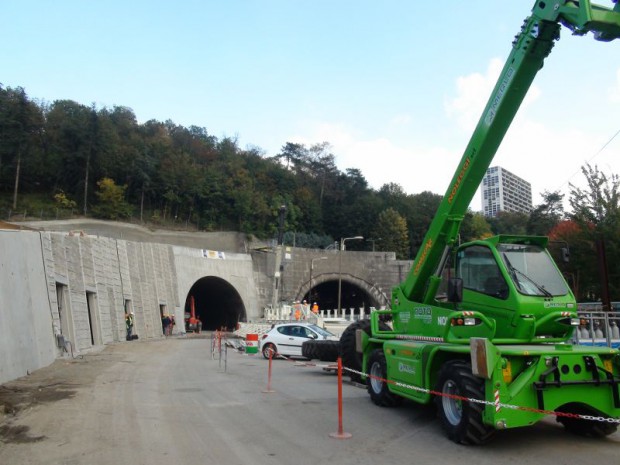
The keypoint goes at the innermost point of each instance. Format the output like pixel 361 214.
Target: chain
pixel 485 402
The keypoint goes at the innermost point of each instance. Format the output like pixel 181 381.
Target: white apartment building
pixel 504 191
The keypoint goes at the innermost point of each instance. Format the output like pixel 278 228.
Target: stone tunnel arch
pixel 217 303
pixel 355 292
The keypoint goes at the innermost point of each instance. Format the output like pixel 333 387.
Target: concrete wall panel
pixel 26 336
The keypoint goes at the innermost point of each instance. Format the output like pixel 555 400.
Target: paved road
pixel 168 402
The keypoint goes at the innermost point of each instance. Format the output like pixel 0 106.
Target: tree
pixel 596 210
pixel 599 203
pixel 391 233
pixel 475 227
pixel 63 201
pixel 580 269
pixel 323 168
pixel 547 215
pixel 420 209
pixel 292 154
pixel 509 223
pixel 71 145
pixel 112 204
pixel 21 123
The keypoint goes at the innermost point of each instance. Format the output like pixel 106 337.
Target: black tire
pixel 350 357
pixel 325 351
pixel 328 351
pixel 378 388
pixel 587 428
pixel 269 347
pixel 461 420
pixel 308 350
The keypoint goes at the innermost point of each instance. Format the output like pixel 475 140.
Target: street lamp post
pixel 277 275
pixel 311 270
pixel 342 241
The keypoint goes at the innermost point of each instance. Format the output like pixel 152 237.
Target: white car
pixel 287 338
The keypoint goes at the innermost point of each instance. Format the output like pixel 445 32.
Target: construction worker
pixel 297 307
pixel 315 308
pixel 165 322
pixel 129 324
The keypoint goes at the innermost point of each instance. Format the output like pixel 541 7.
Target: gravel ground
pixel 169 402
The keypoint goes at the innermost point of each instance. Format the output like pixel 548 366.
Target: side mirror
pixel 455 290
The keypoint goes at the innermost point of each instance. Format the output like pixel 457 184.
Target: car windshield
pixel 321 331
pixel 532 270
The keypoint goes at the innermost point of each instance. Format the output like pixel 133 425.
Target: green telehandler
pixel 483 328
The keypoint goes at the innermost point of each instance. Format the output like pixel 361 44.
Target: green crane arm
pixel 530 48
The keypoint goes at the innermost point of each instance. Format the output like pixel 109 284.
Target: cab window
pixel 480 272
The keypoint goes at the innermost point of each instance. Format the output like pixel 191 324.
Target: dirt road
pixel 168 402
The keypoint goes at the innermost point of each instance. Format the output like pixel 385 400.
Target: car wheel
pixel 376 383
pixel 461 420
pixel 269 348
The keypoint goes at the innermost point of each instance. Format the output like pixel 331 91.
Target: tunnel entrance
pixel 352 296
pixel 217 304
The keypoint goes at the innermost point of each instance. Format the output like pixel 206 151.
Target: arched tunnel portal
pixel 354 294
pixel 217 304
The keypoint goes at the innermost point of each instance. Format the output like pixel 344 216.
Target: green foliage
pixel 178 175
pixel 547 215
pixel 391 234
pixel 63 201
pixel 509 223
pixel 111 203
pixel 21 133
pixel 596 212
pixel 474 227
pixel 310 241
pixel 581 271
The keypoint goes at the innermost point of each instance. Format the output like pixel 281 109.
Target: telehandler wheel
pixel 461 420
pixel 581 427
pixel 350 357
pixel 377 386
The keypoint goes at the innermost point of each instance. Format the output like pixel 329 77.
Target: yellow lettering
pixel 427 248
pixel 459 179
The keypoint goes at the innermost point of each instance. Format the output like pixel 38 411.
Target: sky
pixel 396 87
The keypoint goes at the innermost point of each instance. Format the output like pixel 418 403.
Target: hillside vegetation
pixel 62 159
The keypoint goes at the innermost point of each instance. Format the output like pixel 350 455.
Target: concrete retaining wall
pixel 77 287
pixel 69 292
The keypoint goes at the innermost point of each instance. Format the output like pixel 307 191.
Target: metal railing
pixel 288 313
pixel 600 329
